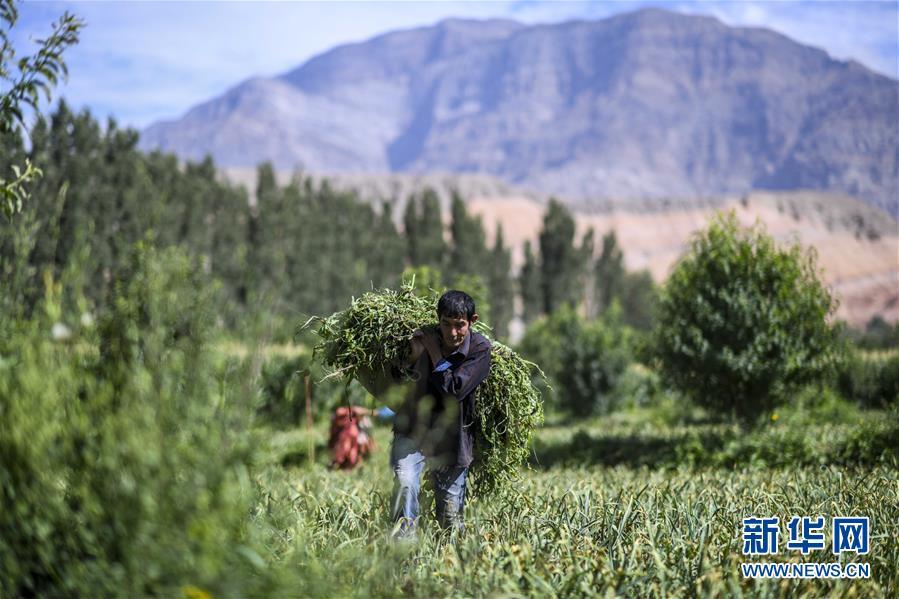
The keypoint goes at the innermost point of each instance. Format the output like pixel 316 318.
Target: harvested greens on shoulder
pixel 371 337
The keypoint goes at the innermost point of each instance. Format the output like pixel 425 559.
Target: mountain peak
pixel 650 103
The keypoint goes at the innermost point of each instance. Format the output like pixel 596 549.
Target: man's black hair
pixel 455 304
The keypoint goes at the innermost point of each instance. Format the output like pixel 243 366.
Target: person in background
pixel 350 440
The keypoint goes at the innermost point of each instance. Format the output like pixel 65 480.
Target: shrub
pixel 283 390
pixel 878 334
pixel 592 367
pixel 124 462
pixel 639 296
pixel 743 322
pixel 639 387
pixel 872 382
pixel 544 341
pixel 584 360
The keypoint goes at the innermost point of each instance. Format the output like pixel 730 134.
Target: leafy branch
pixel 30 77
pixel 13 192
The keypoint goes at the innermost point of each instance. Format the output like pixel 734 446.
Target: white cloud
pixel 864 31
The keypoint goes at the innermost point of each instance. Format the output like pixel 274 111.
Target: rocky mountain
pixel 641 105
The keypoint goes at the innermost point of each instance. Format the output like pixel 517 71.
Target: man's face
pixel 453 330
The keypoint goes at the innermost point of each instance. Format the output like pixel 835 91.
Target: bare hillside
pixel 858 248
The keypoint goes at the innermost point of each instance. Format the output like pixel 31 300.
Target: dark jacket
pixel 439 411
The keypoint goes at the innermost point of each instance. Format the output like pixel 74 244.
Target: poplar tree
pixel 560 259
pixel 468 254
pixel 609 272
pixel 340 265
pixel 424 231
pixel 502 294
pixel 230 217
pixel 386 257
pixel 530 286
pixel 430 231
pixel 410 230
pixel 270 258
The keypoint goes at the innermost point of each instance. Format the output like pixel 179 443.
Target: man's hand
pixel 415 351
pixel 426 340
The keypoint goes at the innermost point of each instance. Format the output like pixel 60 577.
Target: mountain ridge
pixel 642 104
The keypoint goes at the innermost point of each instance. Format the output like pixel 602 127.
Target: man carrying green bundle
pixel 435 425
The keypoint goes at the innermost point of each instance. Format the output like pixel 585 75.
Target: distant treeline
pixel 301 249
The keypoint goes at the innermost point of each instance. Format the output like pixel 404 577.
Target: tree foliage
pixel 582 359
pixel 561 261
pixel 529 286
pixel 299 249
pixel 744 323
pixel 23 82
pixel 123 456
pixel 468 252
pixel 423 226
pixel 639 298
pixel 502 292
pixel 609 271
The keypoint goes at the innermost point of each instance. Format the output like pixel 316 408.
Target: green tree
pixel 638 298
pixel 430 228
pixel 582 359
pixel 410 230
pixel 879 334
pixel 423 225
pixel 388 250
pixel 609 272
pixel 125 455
pixel 273 245
pixel 561 261
pixel 300 250
pixel 502 293
pixel 468 253
pixel 530 286
pixel 744 323
pixel 594 362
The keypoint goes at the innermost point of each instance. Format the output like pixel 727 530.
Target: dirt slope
pixel 859 258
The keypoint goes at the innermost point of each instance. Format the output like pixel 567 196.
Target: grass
pixel 236 349
pixel 867 443
pixel 572 531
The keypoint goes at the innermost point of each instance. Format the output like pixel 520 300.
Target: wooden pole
pixel 311 441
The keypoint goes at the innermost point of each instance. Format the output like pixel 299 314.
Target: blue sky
pixel 144 61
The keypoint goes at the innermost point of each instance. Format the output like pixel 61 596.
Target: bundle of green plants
pixel 370 340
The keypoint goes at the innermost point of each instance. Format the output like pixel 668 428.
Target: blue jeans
pixel 408 463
